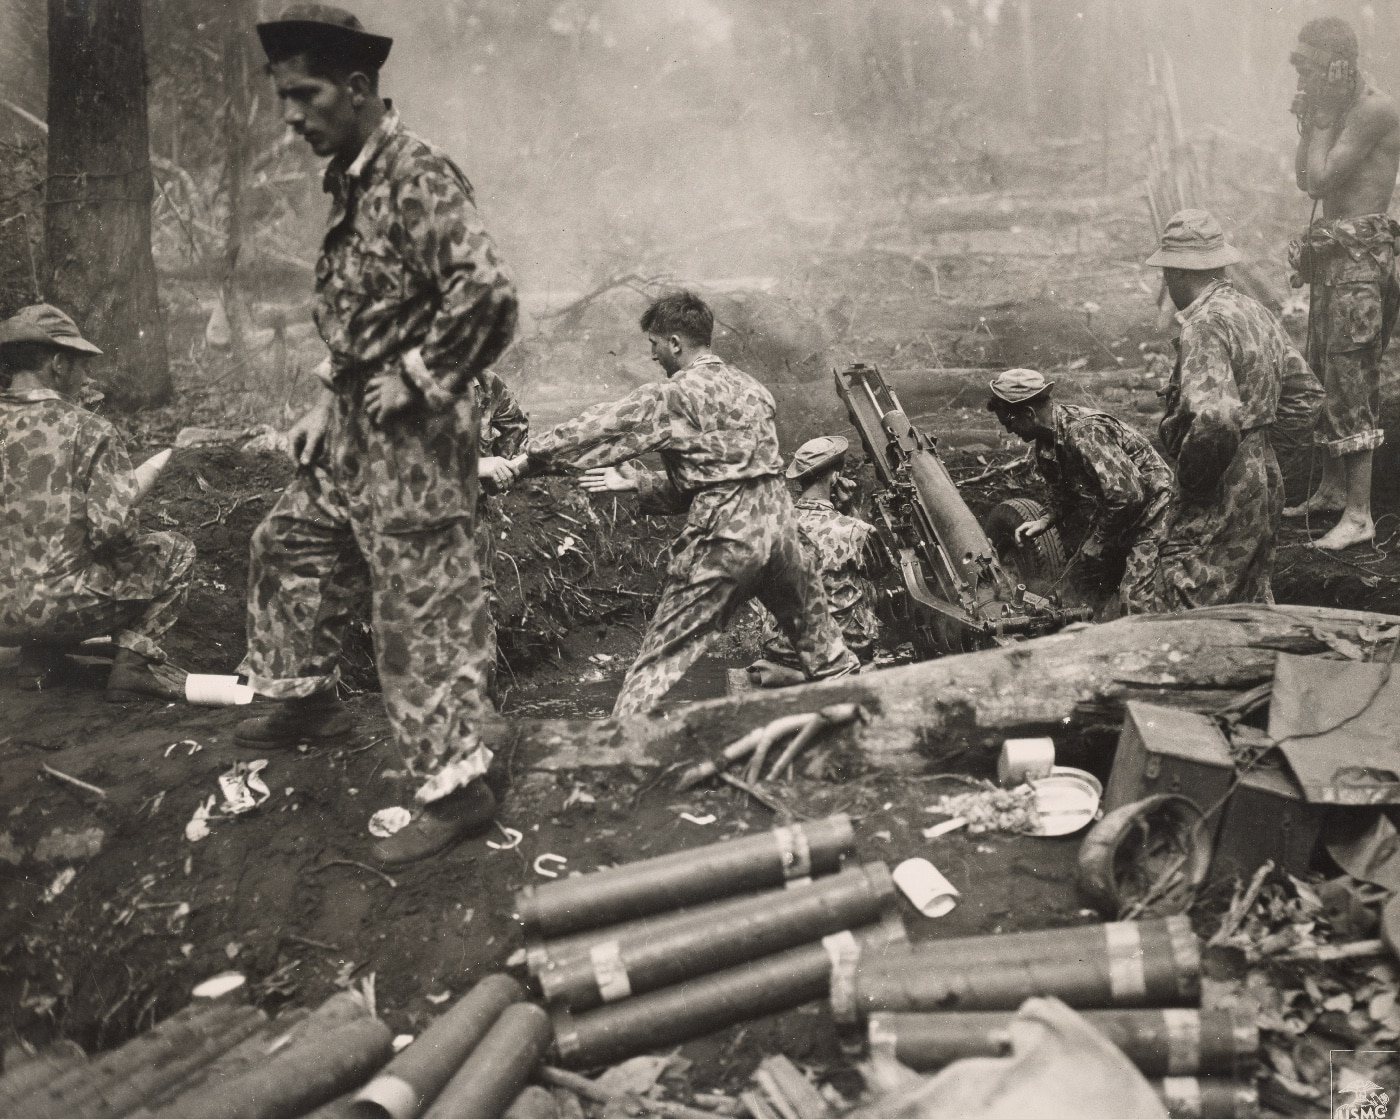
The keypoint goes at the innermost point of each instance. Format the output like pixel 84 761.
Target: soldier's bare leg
pixel 1355 526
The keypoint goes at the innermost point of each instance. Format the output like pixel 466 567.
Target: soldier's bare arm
pixel 1351 162
pixel 308 435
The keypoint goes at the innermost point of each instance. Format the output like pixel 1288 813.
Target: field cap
pixel 817 454
pixel 304 27
pixel 1016 386
pixel 43 322
pixel 1193 240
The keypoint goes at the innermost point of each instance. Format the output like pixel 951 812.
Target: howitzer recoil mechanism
pixel 933 538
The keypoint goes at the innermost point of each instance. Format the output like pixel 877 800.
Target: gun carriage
pixel 948 588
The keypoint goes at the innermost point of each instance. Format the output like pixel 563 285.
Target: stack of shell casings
pixel 1138 983
pixel 657 952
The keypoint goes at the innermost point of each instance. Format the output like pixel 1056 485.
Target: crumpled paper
pixel 243 788
pixel 387 821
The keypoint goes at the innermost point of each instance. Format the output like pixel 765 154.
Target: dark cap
pixel 304 27
pixel 45 323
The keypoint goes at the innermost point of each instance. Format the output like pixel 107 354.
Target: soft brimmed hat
pixel 304 27
pixel 1016 386
pixel 43 322
pixel 816 455
pixel 1194 241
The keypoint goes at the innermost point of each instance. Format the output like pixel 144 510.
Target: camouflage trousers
pixel 135 598
pixel 1353 309
pixel 393 509
pixel 1136 589
pixel 740 541
pixel 1222 549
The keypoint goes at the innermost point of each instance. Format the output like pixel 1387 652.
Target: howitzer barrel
pixel 956 528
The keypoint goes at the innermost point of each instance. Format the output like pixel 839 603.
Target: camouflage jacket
pixel 67 493
pixel 408 278
pixel 842 544
pixel 504 425
pixel 710 423
pixel 1233 365
pixel 1096 460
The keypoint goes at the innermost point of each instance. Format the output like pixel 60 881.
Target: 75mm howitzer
pixel 933 538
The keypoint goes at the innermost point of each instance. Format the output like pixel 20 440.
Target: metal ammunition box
pixel 1267 818
pixel 1166 750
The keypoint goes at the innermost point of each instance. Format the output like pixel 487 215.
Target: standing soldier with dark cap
pixel 841 545
pixel 1237 376
pixel 414 304
pixel 1089 458
pixel 1348 153
pixel 72 565
pixel 714 429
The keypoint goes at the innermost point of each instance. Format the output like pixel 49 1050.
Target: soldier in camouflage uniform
pixel 74 565
pixel 1347 155
pixel 1228 390
pixel 1090 459
pixel 413 303
pixel 713 427
pixel 504 429
pixel 841 546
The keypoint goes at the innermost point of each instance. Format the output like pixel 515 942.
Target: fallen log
pixel 954 712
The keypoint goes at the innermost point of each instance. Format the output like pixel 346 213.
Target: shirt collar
pixel 814 503
pixel 1188 313
pixel 384 131
pixel 695 363
pixel 30 396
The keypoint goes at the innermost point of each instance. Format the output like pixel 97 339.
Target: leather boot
pixel 134 676
pixel 315 720
pixel 438 825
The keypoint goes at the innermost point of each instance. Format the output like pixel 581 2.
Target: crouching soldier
pixel 842 549
pixel 714 429
pixel 1091 460
pixel 72 565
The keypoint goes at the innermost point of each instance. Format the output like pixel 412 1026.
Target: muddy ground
pixel 937 301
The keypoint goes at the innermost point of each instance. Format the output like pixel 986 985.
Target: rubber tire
pixel 1039 562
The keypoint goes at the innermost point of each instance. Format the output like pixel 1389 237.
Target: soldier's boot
pixel 134 676
pixel 314 720
pixel 438 825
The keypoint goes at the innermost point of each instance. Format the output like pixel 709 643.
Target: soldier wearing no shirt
pixel 1348 153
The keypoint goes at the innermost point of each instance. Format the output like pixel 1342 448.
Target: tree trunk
pixel 97 224
pixel 955 712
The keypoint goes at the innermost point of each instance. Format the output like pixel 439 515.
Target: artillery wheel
pixel 1038 562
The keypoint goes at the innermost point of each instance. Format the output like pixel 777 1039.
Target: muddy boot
pixel 438 825
pixel 315 720
pixel 134 676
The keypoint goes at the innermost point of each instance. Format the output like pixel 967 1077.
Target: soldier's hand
pixel 386 395
pixel 607 479
pixel 1301 107
pixel 1029 530
pixel 496 470
pixel 308 434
